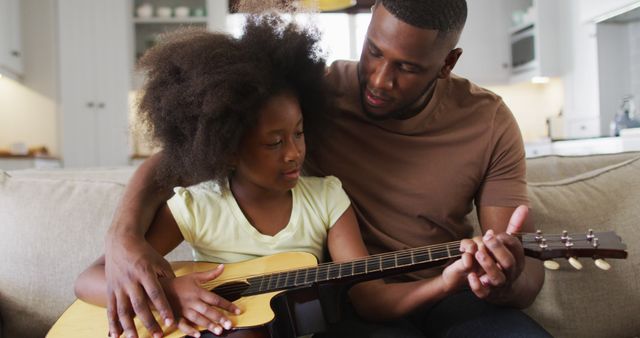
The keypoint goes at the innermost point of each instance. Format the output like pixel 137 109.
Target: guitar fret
pixel 421 255
pixel 438 254
pixel 270 285
pixel 389 263
pixel 320 275
pixel 448 250
pixel 334 271
pixel 295 278
pixel 346 269
pixel 404 258
pixel 359 267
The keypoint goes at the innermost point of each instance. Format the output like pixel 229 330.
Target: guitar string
pixel 383 258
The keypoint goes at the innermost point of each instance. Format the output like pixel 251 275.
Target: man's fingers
pixel 480 290
pixel 156 294
pixel 142 310
pixel 112 315
pixel 125 315
pixel 517 219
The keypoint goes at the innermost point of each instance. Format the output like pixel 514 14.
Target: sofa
pixel 53 222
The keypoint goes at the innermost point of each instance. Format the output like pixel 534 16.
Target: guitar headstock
pixel 596 245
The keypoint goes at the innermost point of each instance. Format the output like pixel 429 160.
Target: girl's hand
pixel 455 275
pixel 196 306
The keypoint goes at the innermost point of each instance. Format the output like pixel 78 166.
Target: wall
pixel 532 104
pixel 634 37
pixel 28 109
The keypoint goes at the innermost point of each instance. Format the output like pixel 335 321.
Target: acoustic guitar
pixel 256 285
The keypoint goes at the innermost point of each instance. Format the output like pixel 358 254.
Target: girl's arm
pixel 377 300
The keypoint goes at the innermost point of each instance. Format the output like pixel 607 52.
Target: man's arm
pixel 509 277
pixel 132 266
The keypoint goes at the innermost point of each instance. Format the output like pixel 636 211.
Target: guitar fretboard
pixel 370 267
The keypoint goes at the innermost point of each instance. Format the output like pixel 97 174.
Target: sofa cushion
pixel 53 226
pixel 591 302
pixel 556 167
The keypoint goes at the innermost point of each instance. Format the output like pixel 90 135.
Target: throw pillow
pixel 591 302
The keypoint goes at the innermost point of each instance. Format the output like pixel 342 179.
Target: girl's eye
pixel 299 134
pixel 274 144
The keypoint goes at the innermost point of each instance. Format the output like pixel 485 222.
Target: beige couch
pixel 52 225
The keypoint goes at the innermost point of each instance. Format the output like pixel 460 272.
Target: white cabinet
pixel 95 68
pixel 597 10
pixel 10 38
pixel 484 41
pixel 538 38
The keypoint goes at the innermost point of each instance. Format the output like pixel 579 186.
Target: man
pixel 414 148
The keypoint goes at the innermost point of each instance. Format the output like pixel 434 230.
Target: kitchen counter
pixel 629 141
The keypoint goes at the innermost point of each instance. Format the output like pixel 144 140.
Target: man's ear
pixel 450 62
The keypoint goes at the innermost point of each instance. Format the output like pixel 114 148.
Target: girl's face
pixel 271 155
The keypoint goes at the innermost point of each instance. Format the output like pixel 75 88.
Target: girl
pixel 229 114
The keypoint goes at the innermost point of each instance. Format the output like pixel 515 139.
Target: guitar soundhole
pixel 231 291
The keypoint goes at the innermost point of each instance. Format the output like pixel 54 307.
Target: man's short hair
pixel 445 16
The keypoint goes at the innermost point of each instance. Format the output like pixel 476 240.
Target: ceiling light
pixel 539 79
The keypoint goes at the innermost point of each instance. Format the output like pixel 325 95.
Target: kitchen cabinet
pixel 536 35
pixel 598 10
pixel 10 38
pixel 94 75
pixel 484 41
pixel 152 18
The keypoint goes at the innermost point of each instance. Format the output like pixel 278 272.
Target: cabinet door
pixel 113 73
pixel 484 41
pixel 94 83
pixel 10 37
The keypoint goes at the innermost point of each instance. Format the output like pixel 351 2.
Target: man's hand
pixel 132 268
pixel 198 306
pixel 500 258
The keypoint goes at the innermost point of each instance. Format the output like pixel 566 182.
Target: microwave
pixel 523 51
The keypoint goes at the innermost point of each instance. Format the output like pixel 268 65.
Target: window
pixel 342 34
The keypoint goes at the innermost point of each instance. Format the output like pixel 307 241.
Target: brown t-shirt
pixel 412 181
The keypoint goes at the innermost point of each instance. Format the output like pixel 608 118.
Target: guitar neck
pixel 366 268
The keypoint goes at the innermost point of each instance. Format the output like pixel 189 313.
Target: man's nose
pixel 382 77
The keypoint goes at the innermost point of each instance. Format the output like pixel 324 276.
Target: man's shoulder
pixel 342 73
pixel 464 88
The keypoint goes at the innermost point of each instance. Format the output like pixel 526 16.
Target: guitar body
pixel 86 320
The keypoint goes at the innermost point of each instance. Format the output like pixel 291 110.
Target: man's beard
pixel 407 111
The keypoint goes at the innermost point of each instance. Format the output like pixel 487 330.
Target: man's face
pixel 399 64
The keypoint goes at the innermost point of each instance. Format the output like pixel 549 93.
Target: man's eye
pixel 408 69
pixel 300 134
pixel 373 51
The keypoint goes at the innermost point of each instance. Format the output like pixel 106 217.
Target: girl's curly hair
pixel 204 91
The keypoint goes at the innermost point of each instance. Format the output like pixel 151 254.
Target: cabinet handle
pixel 101 105
pixel 90 104
pixel 15 53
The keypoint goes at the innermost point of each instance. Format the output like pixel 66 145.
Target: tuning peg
pixel 602 264
pixel 551 265
pixel 575 263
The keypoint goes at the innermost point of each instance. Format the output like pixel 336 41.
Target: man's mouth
pixel 375 100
